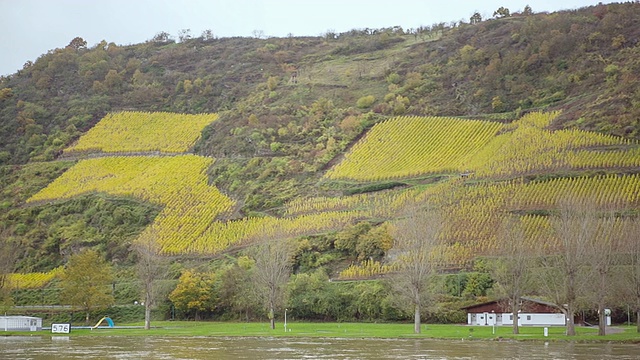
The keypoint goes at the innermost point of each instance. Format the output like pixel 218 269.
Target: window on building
pixel 511 317
pixel 528 317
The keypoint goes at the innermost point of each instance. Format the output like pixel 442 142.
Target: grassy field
pixel 351 330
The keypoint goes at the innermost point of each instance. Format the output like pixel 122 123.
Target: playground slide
pixel 105 318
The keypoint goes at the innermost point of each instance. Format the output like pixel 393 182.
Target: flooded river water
pixel 122 347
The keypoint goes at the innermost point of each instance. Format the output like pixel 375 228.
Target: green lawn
pixel 350 330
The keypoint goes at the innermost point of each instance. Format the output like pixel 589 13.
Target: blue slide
pixel 107 319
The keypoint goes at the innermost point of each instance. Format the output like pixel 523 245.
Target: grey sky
pixel 30 28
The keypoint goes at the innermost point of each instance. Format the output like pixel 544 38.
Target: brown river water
pixel 122 347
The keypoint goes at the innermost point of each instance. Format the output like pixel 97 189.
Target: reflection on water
pixel 121 347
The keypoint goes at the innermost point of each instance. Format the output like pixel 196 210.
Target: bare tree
pixel 416 252
pixel 258 34
pixel 271 272
pixel 604 251
pixel 512 269
pixel 184 35
pixel 563 274
pixel 151 267
pixel 207 35
pixel 631 272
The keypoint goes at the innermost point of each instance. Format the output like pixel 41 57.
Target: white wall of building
pixel 18 323
pixel 526 319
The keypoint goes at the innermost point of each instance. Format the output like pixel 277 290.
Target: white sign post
pixel 60 328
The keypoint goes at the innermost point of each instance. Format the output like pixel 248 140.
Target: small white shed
pixel 20 323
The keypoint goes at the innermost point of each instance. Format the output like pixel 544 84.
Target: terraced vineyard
pixel 143 132
pixel 527 147
pixel 197 218
pixel 411 146
pixel 32 280
pixel 178 183
pixel 473 212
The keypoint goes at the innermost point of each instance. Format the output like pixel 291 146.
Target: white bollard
pixel 546 332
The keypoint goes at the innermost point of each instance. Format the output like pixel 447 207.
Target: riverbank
pixel 349 330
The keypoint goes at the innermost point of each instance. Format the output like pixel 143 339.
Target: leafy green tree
pixel 161 37
pixel 236 293
pixel 365 102
pixel 475 18
pixel 497 104
pixel 272 83
pixel 86 282
pixel 309 295
pixel 375 243
pixel 77 43
pixel 347 240
pixel 502 12
pixel 477 284
pixel 194 293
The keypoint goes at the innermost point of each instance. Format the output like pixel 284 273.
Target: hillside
pixel 211 145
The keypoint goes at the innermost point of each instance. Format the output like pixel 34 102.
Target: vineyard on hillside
pixel 32 280
pixel 197 218
pixel 411 146
pixel 178 183
pixel 528 147
pixel 143 132
pixel 473 213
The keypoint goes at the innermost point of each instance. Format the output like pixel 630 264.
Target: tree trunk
pixel 601 320
pixel 514 315
pixel 602 294
pixel 272 318
pixel 147 308
pixel 86 319
pixel 571 297
pixel 571 328
pixel 147 316
pixel 638 320
pixel 416 320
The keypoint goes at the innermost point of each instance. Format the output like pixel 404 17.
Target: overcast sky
pixel 30 28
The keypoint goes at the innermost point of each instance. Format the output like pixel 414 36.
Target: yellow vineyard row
pixel 410 146
pixel 530 148
pixel 143 131
pixel 473 213
pixel 367 269
pixel 189 221
pixel 32 280
pixel 220 235
pixel 383 203
pixel 178 183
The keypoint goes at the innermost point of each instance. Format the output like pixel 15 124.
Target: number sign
pixel 60 328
